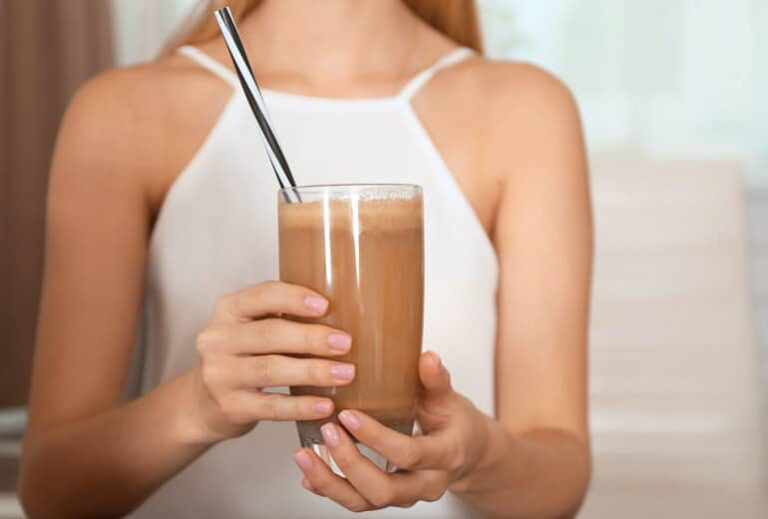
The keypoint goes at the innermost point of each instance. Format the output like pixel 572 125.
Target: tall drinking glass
pixel 361 246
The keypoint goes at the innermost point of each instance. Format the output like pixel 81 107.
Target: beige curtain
pixel 47 48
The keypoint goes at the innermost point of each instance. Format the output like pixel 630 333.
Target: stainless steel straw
pixel 256 101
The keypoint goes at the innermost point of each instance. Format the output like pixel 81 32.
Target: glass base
pixel 310 436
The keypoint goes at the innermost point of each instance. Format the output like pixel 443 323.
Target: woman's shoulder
pixel 145 94
pixel 142 103
pixel 518 105
pixel 145 120
pixel 528 89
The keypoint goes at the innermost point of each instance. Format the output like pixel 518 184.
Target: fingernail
pixel 304 461
pixel 323 407
pixel 438 360
pixel 349 420
pixel 330 435
pixel 340 341
pixel 343 371
pixel 316 304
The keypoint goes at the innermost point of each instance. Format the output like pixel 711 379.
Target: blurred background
pixel 672 94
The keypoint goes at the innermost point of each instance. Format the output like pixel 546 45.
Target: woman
pixel 161 198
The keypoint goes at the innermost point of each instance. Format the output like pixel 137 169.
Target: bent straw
pixel 256 101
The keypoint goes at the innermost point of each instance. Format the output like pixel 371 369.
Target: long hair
pixel 457 19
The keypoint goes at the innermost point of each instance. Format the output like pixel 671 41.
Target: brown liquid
pixel 369 263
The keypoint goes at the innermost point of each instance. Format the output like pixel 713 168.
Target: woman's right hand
pixel 246 347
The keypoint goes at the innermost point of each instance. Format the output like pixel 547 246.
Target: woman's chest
pixel 458 135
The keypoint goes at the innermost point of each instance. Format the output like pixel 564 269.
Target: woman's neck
pixel 326 43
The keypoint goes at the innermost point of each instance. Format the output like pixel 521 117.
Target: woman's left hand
pixel 452 447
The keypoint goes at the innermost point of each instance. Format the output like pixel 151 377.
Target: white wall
pixel 143 26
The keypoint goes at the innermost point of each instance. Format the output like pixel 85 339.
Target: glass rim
pixel 350 187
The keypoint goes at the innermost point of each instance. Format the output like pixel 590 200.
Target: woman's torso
pixel 217 232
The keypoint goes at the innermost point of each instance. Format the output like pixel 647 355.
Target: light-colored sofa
pixel 675 387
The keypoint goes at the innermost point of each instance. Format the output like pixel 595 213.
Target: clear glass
pixel 361 246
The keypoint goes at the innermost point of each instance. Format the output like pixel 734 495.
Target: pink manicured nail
pixel 343 371
pixel 349 420
pixel 316 304
pixel 304 461
pixel 340 341
pixel 330 435
pixel 323 407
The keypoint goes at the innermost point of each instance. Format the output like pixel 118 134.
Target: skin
pixel 515 146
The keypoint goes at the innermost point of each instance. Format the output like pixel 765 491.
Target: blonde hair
pixel 457 19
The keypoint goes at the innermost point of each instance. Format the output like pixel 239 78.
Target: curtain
pixel 47 48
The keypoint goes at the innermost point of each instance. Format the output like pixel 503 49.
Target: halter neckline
pixel 406 93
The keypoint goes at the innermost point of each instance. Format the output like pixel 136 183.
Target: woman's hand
pixel 245 348
pixel 451 448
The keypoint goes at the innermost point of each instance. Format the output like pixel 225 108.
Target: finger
pixel 308 486
pixel 374 484
pixel 405 452
pixel 324 482
pixel 435 380
pixel 420 485
pixel 247 407
pixel 273 335
pixel 260 371
pixel 283 336
pixel 270 297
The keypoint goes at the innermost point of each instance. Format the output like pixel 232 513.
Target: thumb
pixel 435 379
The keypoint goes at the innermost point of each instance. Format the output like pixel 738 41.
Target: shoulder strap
pixel 210 64
pixel 423 77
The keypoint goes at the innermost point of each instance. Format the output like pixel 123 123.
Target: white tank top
pixel 217 232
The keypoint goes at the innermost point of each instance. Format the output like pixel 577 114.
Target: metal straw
pixel 256 101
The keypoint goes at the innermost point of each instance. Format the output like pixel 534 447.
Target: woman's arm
pixel 539 473
pixel 97 228
pixel 537 460
pixel 83 453
pixel 86 452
